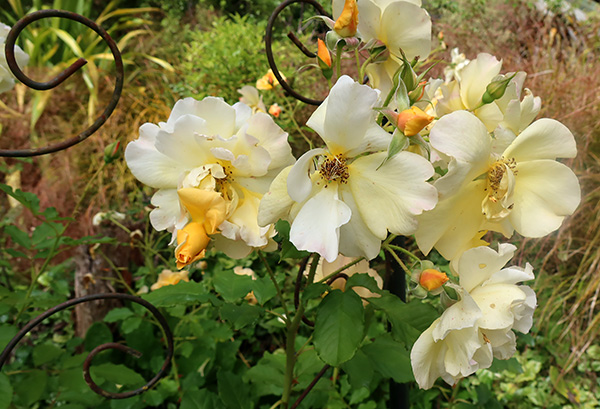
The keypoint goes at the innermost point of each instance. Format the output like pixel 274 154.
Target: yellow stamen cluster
pixel 495 175
pixel 334 168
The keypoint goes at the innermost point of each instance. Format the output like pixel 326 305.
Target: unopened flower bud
pixel 275 110
pixel 323 53
pixel 432 279
pixel 347 23
pixel 112 152
pixel 496 89
pixel 411 121
pixel 192 241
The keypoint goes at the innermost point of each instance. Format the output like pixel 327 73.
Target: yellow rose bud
pixel 168 277
pixel 347 23
pixel 411 121
pixel 268 81
pixel 323 52
pixel 192 241
pixel 432 279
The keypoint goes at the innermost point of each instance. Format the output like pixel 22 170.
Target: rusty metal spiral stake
pixel 88 361
pixel 296 41
pixel 43 86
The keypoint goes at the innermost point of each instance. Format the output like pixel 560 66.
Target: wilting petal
pixel 544 139
pixel 464 314
pixel 389 198
pixel 316 227
pixel 496 303
pixel 546 192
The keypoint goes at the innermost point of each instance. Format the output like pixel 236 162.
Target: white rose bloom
pixel 477 328
pixel 503 183
pixel 467 89
pixel 7 81
pixel 337 199
pixel 210 146
pixel 397 24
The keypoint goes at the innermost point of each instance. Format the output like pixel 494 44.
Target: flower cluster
pixel 448 160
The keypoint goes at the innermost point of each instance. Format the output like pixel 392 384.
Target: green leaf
pixel 240 315
pixel 264 289
pixel 31 388
pixel 288 250
pixel 118 374
pixel 131 324
pixel 27 199
pixel 363 280
pixel 267 375
pixel 402 99
pixel 234 393
pixel 398 142
pixel 408 320
pixel 339 326
pixel 18 236
pixel 232 286
pixel 390 358
pixel 315 290
pixel 511 365
pixel 45 353
pixel 6 392
pixel 96 335
pixel 200 399
pixel 118 314
pixel 7 332
pixel 182 293
pixel 359 369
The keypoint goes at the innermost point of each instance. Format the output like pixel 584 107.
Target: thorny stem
pixel 276 284
pixel 290 343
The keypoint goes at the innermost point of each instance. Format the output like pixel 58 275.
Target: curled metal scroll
pixel 88 361
pixel 295 40
pixel 43 86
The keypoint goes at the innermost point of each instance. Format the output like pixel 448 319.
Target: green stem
pixel 338 59
pixel 290 343
pixel 339 270
pixel 276 284
pixel 408 253
pixel 393 253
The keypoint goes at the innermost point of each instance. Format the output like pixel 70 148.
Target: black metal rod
pixel 295 40
pixel 86 366
pixel 43 86
pixel 310 386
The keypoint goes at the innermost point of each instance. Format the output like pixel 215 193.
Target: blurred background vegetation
pixel 180 48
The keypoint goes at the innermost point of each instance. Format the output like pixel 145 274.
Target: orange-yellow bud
pixel 192 241
pixel 432 279
pixel 411 121
pixel 347 23
pixel 275 110
pixel 323 52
